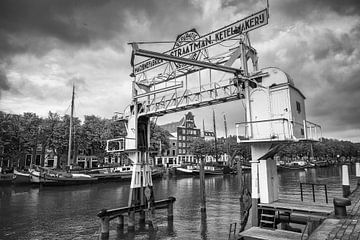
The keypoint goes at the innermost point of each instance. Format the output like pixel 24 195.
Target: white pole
pixel 345 180
pixel 357 169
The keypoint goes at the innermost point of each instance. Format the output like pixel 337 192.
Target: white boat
pixel 210 170
pixel 35 176
pixel 112 174
pixel 185 170
pixel 21 177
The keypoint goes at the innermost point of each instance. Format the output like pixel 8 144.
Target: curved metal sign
pixel 247 24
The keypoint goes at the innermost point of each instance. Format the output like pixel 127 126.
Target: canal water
pixel 70 212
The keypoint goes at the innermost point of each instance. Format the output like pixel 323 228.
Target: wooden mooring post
pixel 107 215
pixel 104 227
pixel 202 186
pixel 131 221
pixel 120 224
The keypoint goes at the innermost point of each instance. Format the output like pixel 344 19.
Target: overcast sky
pixel 45 45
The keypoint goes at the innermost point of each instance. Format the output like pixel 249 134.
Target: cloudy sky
pixel 46 45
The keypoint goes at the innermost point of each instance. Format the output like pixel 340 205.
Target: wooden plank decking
pixel 268 234
pixel 300 207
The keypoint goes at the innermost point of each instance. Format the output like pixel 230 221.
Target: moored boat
pixel 210 170
pixel 72 179
pixel 47 177
pixel 6 178
pixel 21 177
pixel 112 174
pixel 186 170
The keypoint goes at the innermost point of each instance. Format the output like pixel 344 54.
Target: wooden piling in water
pixel 131 221
pixel 104 225
pixel 241 186
pixel 142 217
pixel 120 224
pixel 202 186
pixel 170 210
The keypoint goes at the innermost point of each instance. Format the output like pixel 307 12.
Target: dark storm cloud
pixel 77 22
pixel 4 83
pixel 328 44
pixel 299 9
pixel 37 27
pixel 323 60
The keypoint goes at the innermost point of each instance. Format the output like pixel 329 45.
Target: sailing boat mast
pixel 216 151
pixel 71 126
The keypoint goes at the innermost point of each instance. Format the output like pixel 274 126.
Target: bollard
pixel 357 169
pixel 345 180
pixel 104 225
pixel 131 221
pixel 120 225
pixel 340 206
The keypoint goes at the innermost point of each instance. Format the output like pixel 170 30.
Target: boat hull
pixel 64 181
pixel 184 171
pixel 21 177
pixel 209 172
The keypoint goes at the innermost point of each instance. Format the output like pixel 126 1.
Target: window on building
pixel 302 132
pixel 298 107
pixel 37 160
pixel 173 152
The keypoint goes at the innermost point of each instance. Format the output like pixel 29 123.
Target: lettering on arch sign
pixel 191 48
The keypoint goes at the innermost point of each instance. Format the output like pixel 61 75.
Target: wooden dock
pixel 313 208
pixel 298 211
pixel 331 227
pixel 346 228
pixel 269 234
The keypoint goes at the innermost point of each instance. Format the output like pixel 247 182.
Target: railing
pixel 279 129
pixel 120 144
pixel 313 190
pixel 312 131
pixel 269 129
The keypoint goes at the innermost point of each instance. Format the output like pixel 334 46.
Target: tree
pixel 158 136
pixel 200 148
pixel 91 136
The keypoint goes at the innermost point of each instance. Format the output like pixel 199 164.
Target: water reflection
pixel 70 212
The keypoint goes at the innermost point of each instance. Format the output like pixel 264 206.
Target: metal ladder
pixel 268 218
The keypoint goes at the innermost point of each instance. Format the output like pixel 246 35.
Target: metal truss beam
pixel 159 91
pixel 166 57
pixel 218 93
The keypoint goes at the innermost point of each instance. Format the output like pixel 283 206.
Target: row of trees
pixel 324 149
pixel 22 134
